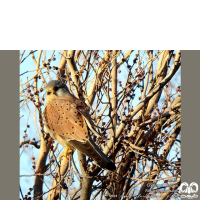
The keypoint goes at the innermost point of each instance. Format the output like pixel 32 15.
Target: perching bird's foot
pixel 66 152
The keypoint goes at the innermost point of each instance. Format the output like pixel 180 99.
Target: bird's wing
pixel 84 110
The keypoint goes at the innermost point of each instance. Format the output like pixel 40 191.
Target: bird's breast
pixel 52 133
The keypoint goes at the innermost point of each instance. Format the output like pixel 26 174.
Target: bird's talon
pixel 65 153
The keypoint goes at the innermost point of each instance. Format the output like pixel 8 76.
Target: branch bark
pixel 144 188
pixel 114 90
pixel 159 76
pixel 44 149
pixel 61 68
pixel 73 69
pixel 55 188
pixel 160 85
pixel 41 161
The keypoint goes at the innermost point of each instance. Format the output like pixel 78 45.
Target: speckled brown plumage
pixel 64 119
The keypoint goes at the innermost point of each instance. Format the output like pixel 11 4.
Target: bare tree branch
pixel 146 143
pixel 34 143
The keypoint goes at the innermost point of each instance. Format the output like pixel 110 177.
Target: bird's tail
pixel 103 161
pixel 90 149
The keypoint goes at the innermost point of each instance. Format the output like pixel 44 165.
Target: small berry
pixel 55 68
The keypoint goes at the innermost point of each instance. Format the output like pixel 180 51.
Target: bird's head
pixel 55 89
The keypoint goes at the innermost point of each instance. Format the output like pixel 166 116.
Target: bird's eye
pixel 48 93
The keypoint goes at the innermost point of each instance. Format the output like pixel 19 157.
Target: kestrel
pixel 66 118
